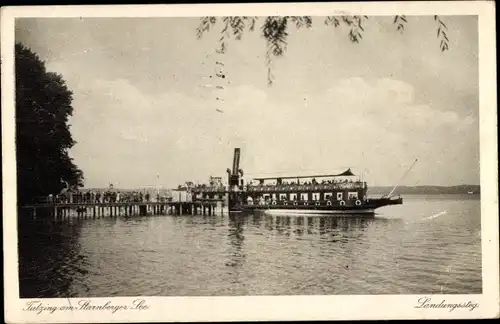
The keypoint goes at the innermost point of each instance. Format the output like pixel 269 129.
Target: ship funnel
pixel 236 172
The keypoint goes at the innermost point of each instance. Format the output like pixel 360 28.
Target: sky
pixel 146 111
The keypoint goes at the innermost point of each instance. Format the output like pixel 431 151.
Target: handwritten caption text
pixel 40 307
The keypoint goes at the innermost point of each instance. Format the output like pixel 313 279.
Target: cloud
pixel 356 123
pixel 132 119
pixel 391 129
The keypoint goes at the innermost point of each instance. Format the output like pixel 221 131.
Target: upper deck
pixel 288 187
pixel 307 187
pixel 339 181
pixel 296 183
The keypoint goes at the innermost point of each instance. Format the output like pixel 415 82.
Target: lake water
pixel 430 244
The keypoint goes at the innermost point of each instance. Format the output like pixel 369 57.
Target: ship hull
pixel 367 207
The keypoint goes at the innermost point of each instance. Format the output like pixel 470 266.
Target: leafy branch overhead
pixel 400 21
pixel 441 34
pixel 275 31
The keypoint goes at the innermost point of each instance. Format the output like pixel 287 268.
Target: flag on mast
pixel 157 184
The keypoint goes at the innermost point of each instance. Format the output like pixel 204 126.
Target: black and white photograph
pixel 314 153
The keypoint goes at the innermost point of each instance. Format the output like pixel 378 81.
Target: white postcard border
pixel 354 307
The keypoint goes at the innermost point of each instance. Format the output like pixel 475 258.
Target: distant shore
pixel 427 190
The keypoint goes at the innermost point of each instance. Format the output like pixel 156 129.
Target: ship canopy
pixel 346 173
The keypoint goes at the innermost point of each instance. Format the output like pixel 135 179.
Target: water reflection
pixel 235 238
pixel 350 226
pixel 256 219
pixel 49 260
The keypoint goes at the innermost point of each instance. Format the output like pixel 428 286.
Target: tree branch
pixel 274 31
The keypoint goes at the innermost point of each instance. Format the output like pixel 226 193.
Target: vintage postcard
pixel 250 162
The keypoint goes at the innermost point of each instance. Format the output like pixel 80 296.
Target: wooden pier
pixel 114 209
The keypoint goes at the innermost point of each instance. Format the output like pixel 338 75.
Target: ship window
pixel 328 195
pixel 266 196
pixel 340 195
pixel 315 196
pixel 353 195
pixel 282 196
pixel 293 196
pixel 303 196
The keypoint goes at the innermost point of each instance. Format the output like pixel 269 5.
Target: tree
pixel 43 138
pixel 275 31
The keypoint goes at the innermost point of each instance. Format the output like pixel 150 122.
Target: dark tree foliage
pixel 275 30
pixel 43 138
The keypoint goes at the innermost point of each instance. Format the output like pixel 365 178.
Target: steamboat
pixel 340 193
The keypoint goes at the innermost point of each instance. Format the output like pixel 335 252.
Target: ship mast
pixel 404 176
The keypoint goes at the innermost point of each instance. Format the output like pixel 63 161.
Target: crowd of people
pixel 348 183
pixel 311 182
pixel 93 196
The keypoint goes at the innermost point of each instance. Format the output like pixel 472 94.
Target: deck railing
pixel 220 189
pixel 286 187
pixel 307 187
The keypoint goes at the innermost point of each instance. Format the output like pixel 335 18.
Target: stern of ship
pixel 384 201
